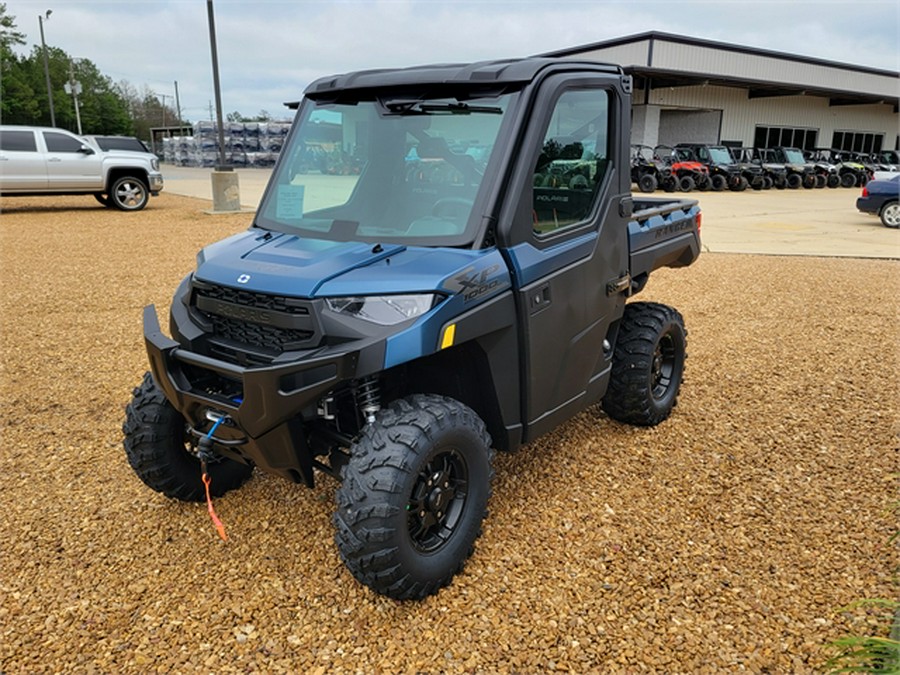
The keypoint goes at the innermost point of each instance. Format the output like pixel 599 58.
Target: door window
pixel 573 161
pixel 57 142
pixel 17 141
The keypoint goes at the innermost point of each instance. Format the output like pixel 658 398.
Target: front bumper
pixel 264 404
pixel 156 183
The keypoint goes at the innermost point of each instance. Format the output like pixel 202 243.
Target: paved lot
pixel 780 222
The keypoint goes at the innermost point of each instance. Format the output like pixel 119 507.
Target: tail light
pixel 865 192
pixel 699 222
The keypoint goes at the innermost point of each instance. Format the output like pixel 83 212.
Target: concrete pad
pixel 818 222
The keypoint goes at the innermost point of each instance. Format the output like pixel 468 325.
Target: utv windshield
pixel 793 156
pixel 405 169
pixel 720 155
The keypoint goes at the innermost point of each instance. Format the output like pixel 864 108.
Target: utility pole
pixel 218 89
pixel 178 107
pixel 47 65
pixel 74 87
pixel 225 189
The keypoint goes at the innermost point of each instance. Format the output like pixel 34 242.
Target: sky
pixel 269 50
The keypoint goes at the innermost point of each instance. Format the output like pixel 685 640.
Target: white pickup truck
pixel 47 161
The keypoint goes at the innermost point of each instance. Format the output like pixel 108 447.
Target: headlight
pixel 385 310
pixel 154 164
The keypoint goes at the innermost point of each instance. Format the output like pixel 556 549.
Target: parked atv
pixel 827 174
pixel 648 172
pixel 688 173
pixel 773 173
pixel 723 172
pixel 750 170
pixel 850 174
pixel 800 172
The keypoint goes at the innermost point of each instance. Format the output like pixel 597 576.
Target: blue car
pixel 882 198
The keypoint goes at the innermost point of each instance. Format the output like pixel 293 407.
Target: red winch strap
pixel 220 528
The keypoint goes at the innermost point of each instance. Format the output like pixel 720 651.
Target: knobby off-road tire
pixel 159 450
pixel 413 496
pixel 718 182
pixel 848 180
pixel 686 184
pixel 648 364
pixel 794 181
pixel 647 183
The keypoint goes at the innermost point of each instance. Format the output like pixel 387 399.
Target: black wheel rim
pixel 437 501
pixel 663 368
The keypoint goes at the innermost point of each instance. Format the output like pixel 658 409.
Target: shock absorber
pixel 368 398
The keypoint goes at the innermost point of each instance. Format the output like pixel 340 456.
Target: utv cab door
pixel 570 230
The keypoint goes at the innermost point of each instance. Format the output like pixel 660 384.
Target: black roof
pixel 488 73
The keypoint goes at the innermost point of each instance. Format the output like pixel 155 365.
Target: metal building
pixel 692 90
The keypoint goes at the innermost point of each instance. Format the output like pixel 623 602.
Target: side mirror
pixel 86 150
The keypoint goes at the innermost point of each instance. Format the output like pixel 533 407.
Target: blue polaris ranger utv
pixel 439 267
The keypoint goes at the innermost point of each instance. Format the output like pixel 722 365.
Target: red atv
pixel 687 172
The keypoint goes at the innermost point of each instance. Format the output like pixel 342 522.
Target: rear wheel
pixel 648 364
pixel 768 183
pixel 686 183
pixel 163 455
pixel 739 184
pixel 647 183
pixel 848 180
pixel 890 214
pixel 821 181
pixel 413 496
pixel 129 194
pixel 834 180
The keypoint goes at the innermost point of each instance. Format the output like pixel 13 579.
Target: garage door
pixel 689 126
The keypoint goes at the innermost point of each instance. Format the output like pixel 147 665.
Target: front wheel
pixel 413 496
pixel 686 184
pixel 162 454
pixel 647 183
pixel 890 215
pixel 129 194
pixel 648 364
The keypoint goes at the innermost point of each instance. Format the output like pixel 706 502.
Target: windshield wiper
pixel 422 108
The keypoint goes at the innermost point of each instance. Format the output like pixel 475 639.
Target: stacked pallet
pixel 252 144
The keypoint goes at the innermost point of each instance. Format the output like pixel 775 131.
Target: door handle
pixel 539 299
pixel 54 159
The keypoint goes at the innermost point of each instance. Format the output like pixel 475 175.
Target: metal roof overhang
pixel 659 78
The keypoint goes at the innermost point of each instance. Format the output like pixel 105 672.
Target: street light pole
pixel 47 65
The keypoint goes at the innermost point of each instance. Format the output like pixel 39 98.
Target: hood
pixel 284 264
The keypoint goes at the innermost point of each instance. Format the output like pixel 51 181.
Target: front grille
pixel 271 323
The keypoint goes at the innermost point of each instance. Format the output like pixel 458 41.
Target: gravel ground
pixel 726 539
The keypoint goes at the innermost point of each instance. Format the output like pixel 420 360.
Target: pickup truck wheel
pixel 160 450
pixel 648 364
pixel 129 194
pixel 413 496
pixel 890 214
pixel 719 182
